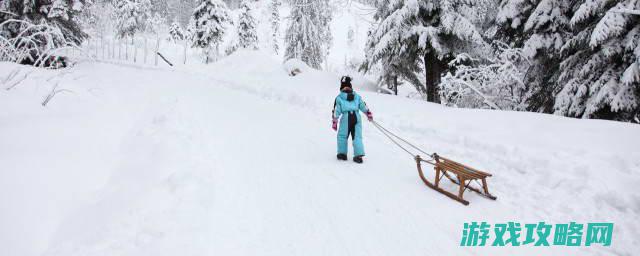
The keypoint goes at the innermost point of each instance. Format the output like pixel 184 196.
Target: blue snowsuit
pixel 350 122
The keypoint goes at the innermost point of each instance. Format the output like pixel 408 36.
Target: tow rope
pixel 390 135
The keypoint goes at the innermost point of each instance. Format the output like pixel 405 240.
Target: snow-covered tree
pixel 510 20
pixel 307 33
pixel 161 7
pixel 352 60
pixel 32 31
pixel 189 32
pixel 247 34
pixel 547 29
pixel 156 24
pixel 325 16
pixel 414 37
pixel 600 74
pixel 351 34
pixel 97 19
pixel 62 14
pixel 274 19
pixel 209 20
pixel 175 31
pixel 132 17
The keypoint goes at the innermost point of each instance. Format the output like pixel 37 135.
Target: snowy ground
pixel 237 158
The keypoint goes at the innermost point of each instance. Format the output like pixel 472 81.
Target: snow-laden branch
pixel 33 43
pixel 495 82
pixel 626 11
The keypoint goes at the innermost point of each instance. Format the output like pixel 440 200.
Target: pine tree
pixel 132 17
pixel 547 29
pixel 209 20
pixel 247 37
pixel 325 17
pixel 305 36
pixel 510 20
pixel 274 19
pixel 175 31
pixel 155 23
pixel 600 74
pixel 62 14
pixel 419 36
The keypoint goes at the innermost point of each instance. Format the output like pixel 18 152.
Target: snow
pixel 238 158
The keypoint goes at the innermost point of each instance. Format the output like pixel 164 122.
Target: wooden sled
pixel 464 176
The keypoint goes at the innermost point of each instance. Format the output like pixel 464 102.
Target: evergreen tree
pixel 325 17
pixel 547 29
pixel 132 17
pixel 156 23
pixel 510 20
pixel 307 33
pixel 209 20
pixel 175 31
pixel 161 7
pixel 274 18
pixel 247 37
pixel 420 36
pixel 600 73
pixel 62 14
pixel 190 31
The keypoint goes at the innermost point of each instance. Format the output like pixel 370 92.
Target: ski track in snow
pixel 202 162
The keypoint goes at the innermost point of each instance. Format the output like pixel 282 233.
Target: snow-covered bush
pixel 35 44
pixel 492 82
pixel 61 14
pixel 293 67
pixel 31 32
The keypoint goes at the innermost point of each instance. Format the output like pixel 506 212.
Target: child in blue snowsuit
pixel 345 111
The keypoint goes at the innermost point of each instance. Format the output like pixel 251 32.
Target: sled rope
pixel 391 137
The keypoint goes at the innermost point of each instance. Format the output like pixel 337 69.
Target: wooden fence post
pixel 119 50
pixel 145 50
pixel 185 51
pixel 126 51
pixel 135 49
pixel 96 45
pixel 157 49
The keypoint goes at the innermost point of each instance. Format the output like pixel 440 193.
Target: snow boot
pixel 342 157
pixel 357 159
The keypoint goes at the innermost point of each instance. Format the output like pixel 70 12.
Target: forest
pixel 565 57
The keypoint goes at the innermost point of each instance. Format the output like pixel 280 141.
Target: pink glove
pixel 334 124
pixel 369 116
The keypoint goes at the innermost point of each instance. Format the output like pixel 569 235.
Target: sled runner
pixel 464 176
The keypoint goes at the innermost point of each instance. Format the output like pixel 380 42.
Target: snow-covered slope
pixel 237 158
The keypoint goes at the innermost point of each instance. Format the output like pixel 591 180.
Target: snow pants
pixel 350 124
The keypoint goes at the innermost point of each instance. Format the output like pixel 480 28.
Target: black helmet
pixel 345 81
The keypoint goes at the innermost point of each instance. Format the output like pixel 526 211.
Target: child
pixel 345 109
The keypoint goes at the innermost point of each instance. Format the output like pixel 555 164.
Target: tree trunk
pixel 395 85
pixel 433 71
